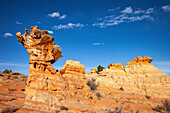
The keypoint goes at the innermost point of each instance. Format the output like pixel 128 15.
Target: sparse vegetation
pixel 63 108
pixel 92 84
pixel 7 71
pixel 10 89
pixel 9 109
pixel 148 97
pixel 100 68
pixel 121 89
pixel 165 106
pixel 98 94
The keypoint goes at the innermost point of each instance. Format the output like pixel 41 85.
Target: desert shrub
pixel 92 84
pixel 63 108
pixel 158 108
pixel 148 97
pixel 9 109
pixel 10 89
pixel 100 68
pixel 121 89
pixel 98 94
pixel 165 106
pixel 7 71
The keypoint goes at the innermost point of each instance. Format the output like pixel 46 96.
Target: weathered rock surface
pixel 47 89
pixel 139 76
pixel 94 70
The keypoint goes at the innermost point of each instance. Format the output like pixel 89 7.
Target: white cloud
pixel 69 25
pixel 55 14
pixel 110 10
pixel 166 8
pixel 51 32
pixel 8 35
pixel 127 10
pixel 38 22
pixel 139 11
pixel 17 22
pixel 97 44
pixel 115 20
pixel 62 17
pixel 149 11
pixel 164 66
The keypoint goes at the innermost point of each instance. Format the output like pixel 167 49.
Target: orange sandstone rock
pixel 139 77
pixel 47 89
pixel 94 70
pixel 115 66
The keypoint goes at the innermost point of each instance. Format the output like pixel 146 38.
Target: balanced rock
pixel 47 90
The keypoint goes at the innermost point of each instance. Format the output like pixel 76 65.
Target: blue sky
pixel 94 32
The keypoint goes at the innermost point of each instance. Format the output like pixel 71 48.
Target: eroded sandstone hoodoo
pixel 47 89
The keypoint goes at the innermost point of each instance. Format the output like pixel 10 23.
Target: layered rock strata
pixel 138 76
pixel 47 89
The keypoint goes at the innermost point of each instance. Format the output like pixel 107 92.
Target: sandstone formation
pixel 47 90
pixel 94 70
pixel 115 66
pixel 139 77
pixel 50 91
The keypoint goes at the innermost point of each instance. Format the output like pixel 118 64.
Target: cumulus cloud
pixel 127 10
pixel 62 17
pixel 8 35
pixel 97 44
pixel 55 14
pixel 17 22
pixel 68 26
pixel 166 8
pixel 51 32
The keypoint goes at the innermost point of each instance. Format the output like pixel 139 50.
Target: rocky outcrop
pixel 94 70
pixel 47 89
pixel 14 76
pixel 115 66
pixel 139 76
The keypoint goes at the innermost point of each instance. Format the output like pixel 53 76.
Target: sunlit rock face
pixel 46 88
pixel 94 70
pixel 138 76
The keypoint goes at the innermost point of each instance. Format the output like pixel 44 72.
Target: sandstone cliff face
pixel 47 89
pixel 139 76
